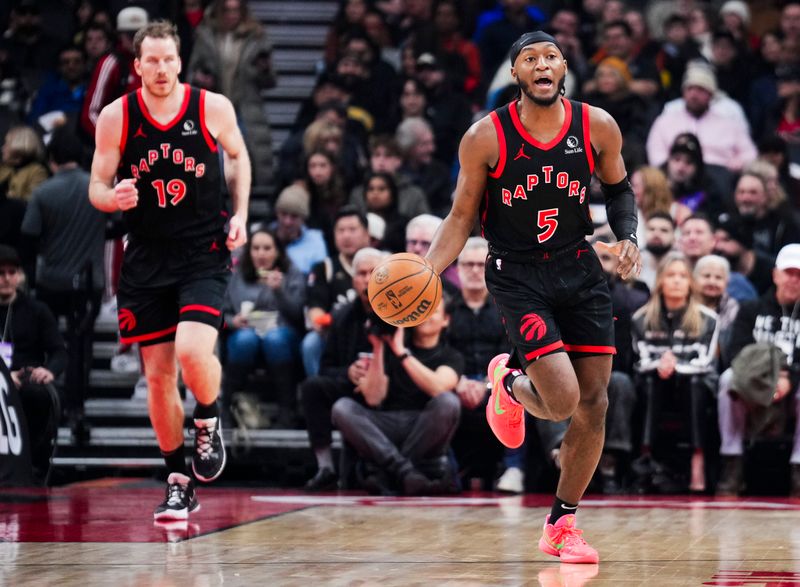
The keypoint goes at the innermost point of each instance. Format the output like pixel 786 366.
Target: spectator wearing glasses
pixel 419 235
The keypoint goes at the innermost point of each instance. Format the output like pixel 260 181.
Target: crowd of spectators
pixel 707 96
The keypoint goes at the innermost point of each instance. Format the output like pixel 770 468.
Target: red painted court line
pixel 123 515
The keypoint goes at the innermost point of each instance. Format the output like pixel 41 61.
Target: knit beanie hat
pixel 294 199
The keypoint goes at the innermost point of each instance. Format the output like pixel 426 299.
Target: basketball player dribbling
pixel 161 144
pixel 526 169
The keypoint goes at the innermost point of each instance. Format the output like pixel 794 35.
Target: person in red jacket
pixel 114 75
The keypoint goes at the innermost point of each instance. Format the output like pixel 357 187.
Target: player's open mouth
pixel 543 82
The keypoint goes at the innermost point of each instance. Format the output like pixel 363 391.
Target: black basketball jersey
pixel 177 170
pixel 537 195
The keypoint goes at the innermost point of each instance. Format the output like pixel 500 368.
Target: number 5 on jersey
pixel 547 220
pixel 175 188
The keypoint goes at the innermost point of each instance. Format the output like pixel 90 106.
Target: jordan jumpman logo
pixel 521 153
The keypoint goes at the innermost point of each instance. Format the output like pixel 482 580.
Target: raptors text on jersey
pixel 537 194
pixel 177 170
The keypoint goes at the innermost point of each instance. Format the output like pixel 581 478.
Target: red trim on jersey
pixel 545 349
pixel 485 211
pixel 587 139
pixel 124 138
pixel 209 140
pixel 200 308
pixel 588 348
pixel 525 135
pixel 501 143
pixel 150 336
pixel 186 95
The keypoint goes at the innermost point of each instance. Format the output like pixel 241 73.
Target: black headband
pixel 530 39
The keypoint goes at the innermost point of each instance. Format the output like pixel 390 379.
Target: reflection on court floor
pixel 103 534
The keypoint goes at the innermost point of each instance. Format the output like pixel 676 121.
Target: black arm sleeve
pixel 621 210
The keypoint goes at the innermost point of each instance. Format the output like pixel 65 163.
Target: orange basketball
pixel 404 290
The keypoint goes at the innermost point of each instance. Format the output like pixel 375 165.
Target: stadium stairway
pixel 121 439
pixel 297 29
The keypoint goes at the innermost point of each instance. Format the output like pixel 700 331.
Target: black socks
pixel 176 461
pixel 508 384
pixel 204 412
pixel 561 508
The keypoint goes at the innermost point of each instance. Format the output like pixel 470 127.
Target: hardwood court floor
pixel 95 535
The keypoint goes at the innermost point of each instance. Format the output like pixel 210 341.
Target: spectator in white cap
pixel 735 17
pixel 114 74
pixel 717 121
pixel 757 385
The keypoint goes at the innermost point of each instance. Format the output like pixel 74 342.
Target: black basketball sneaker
pixel 208 459
pixel 180 499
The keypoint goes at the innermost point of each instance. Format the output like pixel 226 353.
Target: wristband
pixel 404 355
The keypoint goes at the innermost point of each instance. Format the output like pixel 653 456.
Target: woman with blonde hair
pixel 21 168
pixel 653 194
pixel 323 135
pixel 675 344
pixel 776 195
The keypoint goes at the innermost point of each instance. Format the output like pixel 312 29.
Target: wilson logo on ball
pixel 127 321
pixel 414 316
pixel 532 326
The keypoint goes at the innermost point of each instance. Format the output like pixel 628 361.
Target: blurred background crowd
pixel 707 96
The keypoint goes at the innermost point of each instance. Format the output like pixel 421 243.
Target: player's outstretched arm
pixel 103 194
pixel 620 202
pixel 221 122
pixel 478 151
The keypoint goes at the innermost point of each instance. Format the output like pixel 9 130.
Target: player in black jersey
pixel 525 170
pixel 160 144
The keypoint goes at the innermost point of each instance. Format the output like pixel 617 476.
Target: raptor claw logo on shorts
pixel 532 326
pixel 127 321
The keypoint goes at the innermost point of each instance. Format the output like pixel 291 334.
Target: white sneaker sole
pixel 174 514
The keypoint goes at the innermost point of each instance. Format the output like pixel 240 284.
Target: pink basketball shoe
pixel 564 540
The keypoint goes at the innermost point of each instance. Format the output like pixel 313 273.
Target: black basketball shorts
pixel 555 304
pixel 166 282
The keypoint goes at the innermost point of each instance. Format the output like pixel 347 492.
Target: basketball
pixel 404 290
